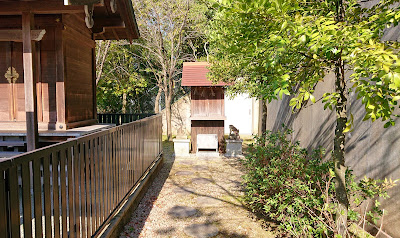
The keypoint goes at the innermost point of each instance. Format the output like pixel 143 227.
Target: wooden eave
pixel 107 25
pixel 115 26
pixel 37 7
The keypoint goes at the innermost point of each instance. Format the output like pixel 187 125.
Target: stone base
pixel 207 154
pixel 233 148
pixel 181 147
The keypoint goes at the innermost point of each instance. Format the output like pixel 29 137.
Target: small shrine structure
pixel 207 102
pixel 47 60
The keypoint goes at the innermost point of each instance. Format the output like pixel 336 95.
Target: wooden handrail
pixel 86 178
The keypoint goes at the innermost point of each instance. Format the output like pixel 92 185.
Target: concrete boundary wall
pixel 371 150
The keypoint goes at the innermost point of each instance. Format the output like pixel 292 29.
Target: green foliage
pixel 275 47
pixel 123 74
pixel 172 32
pixel 287 184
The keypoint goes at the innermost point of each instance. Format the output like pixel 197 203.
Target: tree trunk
pixel 101 62
pixel 338 149
pixel 123 103
pixel 168 115
pixel 339 141
pixel 157 102
pixel 262 128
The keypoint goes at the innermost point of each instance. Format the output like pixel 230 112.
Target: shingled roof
pixel 195 74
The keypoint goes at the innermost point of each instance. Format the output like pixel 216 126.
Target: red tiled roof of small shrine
pixel 195 74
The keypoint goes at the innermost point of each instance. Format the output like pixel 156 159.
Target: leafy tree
pixel 167 27
pixel 278 47
pixel 122 80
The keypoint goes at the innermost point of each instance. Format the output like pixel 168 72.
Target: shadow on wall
pixel 371 150
pixel 180 116
pixel 285 115
pixel 320 136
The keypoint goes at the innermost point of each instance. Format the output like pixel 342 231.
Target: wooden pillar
pixel 29 82
pixel 94 82
pixel 60 84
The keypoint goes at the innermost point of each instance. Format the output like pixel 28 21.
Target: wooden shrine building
pixel 207 102
pixel 47 60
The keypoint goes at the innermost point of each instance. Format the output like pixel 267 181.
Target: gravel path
pixel 194 197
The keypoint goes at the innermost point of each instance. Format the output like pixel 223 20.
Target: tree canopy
pixel 171 33
pixel 124 84
pixel 274 47
pixel 286 47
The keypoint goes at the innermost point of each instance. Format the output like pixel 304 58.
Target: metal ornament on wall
pixel 113 6
pixel 89 16
pixel 11 75
pixel 89 7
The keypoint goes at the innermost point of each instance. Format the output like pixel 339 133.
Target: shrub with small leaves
pixel 287 184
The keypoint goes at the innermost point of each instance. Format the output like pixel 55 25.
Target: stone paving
pixel 194 197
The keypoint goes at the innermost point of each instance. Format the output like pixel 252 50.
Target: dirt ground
pixel 195 197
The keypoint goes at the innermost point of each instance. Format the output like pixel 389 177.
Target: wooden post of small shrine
pixel 29 82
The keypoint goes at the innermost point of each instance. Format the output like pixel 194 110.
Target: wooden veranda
pixel 47 58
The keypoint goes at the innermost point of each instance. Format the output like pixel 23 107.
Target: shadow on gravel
pixel 269 224
pixel 148 202
pixel 205 229
pixel 225 190
pixel 181 212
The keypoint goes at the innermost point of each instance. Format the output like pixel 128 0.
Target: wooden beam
pixel 106 21
pixel 37 7
pixel 101 23
pixel 29 82
pixel 81 123
pixel 84 2
pixel 16 35
pixel 101 35
pixel 115 34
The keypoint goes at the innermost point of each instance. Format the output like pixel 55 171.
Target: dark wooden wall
pixel 206 127
pixel 4 86
pixel 46 87
pixel 12 104
pixel 79 81
pixel 48 50
pixel 207 101
pixel 65 73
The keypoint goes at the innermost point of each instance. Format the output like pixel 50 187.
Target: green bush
pixel 295 188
